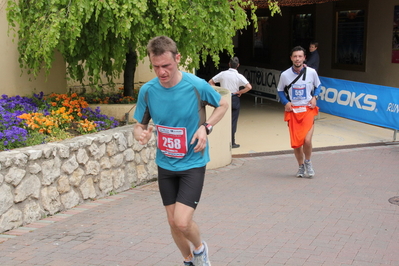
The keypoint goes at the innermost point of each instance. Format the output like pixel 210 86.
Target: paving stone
pixel 255 213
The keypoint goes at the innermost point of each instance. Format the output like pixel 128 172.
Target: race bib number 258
pixel 172 141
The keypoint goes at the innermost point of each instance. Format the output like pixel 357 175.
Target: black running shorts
pixel 181 186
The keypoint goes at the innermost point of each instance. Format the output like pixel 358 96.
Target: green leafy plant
pixel 110 36
pixel 101 97
pixel 112 192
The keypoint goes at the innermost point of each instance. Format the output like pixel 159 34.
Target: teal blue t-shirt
pixel 178 109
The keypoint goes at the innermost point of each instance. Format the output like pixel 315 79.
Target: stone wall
pixel 45 179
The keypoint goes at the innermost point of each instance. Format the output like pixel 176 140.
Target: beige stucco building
pixel 14 82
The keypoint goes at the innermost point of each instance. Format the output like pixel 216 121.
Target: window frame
pixel 340 25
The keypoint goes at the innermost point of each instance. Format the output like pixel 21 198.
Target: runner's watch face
pixel 208 128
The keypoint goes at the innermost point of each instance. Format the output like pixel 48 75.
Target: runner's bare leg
pixel 184 229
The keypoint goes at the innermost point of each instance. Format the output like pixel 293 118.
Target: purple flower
pixel 12 129
pixel 103 121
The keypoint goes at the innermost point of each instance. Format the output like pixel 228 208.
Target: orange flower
pixel 49 123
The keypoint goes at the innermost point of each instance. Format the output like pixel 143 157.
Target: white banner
pixel 264 81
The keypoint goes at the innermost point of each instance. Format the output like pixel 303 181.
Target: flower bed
pixel 40 119
pixel 46 179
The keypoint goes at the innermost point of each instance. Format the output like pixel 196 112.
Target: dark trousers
pixel 235 111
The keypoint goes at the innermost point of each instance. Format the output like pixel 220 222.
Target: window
pixel 302 30
pixel 261 49
pixel 349 51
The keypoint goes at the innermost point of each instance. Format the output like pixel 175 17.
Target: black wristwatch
pixel 208 128
pixel 317 97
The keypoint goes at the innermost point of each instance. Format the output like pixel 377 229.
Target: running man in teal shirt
pixel 175 101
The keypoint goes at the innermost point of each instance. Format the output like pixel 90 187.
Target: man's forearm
pixel 283 98
pixel 218 112
pixel 247 88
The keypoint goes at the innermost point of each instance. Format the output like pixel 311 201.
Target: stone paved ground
pixel 253 212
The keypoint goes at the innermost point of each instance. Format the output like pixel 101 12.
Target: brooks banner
pixel 368 103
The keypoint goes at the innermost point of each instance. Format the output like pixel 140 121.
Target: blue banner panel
pixel 368 103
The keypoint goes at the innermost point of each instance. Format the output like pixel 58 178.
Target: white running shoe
pixel 202 259
pixel 309 168
pixel 301 171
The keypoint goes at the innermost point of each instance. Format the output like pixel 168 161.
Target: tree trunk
pixel 128 75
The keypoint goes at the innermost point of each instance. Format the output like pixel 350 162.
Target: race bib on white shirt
pixel 298 92
pixel 172 141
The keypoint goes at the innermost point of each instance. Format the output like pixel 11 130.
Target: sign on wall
pixel 395 36
pixel 368 103
pixel 264 81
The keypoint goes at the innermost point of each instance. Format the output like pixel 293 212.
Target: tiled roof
pixel 263 3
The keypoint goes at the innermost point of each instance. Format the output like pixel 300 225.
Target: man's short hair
pixel 234 62
pixel 160 45
pixel 298 48
pixel 315 43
